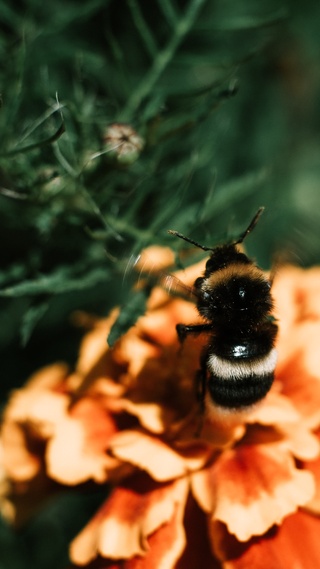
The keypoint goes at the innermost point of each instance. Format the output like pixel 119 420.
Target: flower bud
pixel 123 143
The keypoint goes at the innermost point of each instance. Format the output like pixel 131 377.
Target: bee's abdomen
pixel 241 379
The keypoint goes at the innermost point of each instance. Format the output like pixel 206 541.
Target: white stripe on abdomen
pixel 232 368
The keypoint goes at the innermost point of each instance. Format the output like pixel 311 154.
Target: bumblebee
pixel 233 297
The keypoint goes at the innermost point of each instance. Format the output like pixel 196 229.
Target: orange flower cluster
pixel 240 493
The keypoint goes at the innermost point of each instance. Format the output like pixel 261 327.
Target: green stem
pixel 162 60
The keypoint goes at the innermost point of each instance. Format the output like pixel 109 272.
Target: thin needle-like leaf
pixel 44 142
pixel 169 11
pixel 143 28
pixel 162 59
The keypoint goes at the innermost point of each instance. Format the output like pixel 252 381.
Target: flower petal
pixel 165 545
pixel 250 488
pixel 274 409
pixel 160 325
pixel 143 350
pixel 157 458
pixel 77 450
pixel 302 443
pixel 150 415
pixel 299 374
pixel 17 461
pixel 48 377
pixel 297 294
pixel 149 453
pixel 295 544
pixel 134 511
pixel 94 347
pixel 314 505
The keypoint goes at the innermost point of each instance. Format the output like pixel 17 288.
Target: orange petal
pixel 17 461
pixel 301 442
pixel 295 544
pixel 166 380
pixel 165 545
pixel 153 259
pixel 97 363
pixel 133 512
pixel 297 295
pixel 28 420
pixel 302 339
pixel 250 488
pixel 274 409
pixel 131 344
pixel 314 504
pixel 77 450
pixel 150 415
pixel 160 324
pixel 48 377
pixel 148 453
pixel 155 457
pixel 34 404
pixel 301 386
pixel 94 347
pixel 284 292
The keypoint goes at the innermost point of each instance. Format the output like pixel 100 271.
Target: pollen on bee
pixel 234 270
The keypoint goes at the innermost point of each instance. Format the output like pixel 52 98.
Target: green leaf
pixel 30 320
pixel 56 283
pixel 130 312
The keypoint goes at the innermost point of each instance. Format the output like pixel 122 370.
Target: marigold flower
pixel 238 493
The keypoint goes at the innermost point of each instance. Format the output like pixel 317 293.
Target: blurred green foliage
pixel 224 95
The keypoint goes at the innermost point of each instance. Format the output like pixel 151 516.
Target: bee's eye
pixel 209 300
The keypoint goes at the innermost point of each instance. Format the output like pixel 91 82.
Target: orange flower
pixel 236 494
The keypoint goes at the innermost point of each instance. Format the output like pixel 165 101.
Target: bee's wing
pixel 175 286
pixel 147 270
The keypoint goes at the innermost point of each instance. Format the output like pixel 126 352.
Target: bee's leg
pixel 183 330
pixel 201 379
pixel 201 385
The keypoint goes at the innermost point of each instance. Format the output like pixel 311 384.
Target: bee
pixel 233 296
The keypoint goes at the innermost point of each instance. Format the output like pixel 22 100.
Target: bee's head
pixel 223 256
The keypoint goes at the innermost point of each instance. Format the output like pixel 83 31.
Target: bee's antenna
pixel 177 234
pixel 250 227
